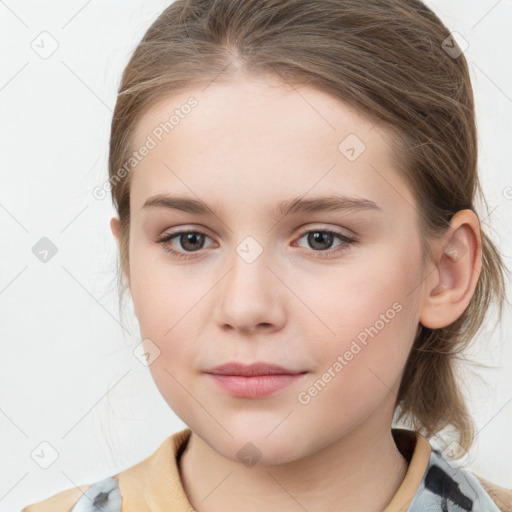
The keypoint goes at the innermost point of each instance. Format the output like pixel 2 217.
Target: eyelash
pixel 164 241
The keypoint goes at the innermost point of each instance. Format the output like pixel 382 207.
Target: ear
pixel 458 261
pixel 115 227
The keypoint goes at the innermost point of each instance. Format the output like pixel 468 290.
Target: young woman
pixel 295 185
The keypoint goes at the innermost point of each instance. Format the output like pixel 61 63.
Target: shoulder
pixel 128 489
pixel 103 495
pixel 447 481
pixel 500 495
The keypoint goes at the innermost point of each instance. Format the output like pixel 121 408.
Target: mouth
pixel 253 381
pixel 252 370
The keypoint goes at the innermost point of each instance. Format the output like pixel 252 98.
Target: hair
pixel 386 59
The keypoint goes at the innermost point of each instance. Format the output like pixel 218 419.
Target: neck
pixel 359 471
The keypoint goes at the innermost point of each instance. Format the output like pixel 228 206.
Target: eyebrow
pixel 331 203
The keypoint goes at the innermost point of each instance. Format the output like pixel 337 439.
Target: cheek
pixel 355 294
pixel 361 368
pixel 371 316
pixel 170 301
pixel 163 292
pixel 167 317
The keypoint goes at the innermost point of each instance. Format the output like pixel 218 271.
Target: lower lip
pixel 254 387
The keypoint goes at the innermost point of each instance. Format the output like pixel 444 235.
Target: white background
pixel 68 375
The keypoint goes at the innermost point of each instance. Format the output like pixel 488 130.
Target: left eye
pixel 320 240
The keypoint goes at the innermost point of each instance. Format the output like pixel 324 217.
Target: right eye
pixel 191 241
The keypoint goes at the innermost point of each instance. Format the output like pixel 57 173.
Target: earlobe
pixel 448 291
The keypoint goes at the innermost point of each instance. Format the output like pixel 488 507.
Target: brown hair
pixel 387 59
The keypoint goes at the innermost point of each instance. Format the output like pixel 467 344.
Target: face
pixel 331 293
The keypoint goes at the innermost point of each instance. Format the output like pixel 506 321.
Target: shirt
pixel 431 484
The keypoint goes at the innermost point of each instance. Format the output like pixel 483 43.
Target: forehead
pixel 261 139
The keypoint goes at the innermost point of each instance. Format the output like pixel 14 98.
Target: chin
pixel 251 446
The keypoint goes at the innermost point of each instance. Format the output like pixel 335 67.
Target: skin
pixel 245 147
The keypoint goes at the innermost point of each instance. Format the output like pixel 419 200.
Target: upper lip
pixel 254 369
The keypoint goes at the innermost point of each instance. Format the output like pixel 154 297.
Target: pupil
pixel 191 239
pixel 317 237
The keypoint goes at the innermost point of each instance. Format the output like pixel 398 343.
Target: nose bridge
pixel 249 294
pixel 249 273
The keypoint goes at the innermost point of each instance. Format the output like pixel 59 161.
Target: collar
pixel 417 450
pixel 431 483
pixel 154 484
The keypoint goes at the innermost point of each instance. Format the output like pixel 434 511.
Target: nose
pixel 250 297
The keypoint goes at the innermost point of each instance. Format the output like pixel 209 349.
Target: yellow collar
pixel 154 484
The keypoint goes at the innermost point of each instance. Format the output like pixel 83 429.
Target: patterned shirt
pixel 431 484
